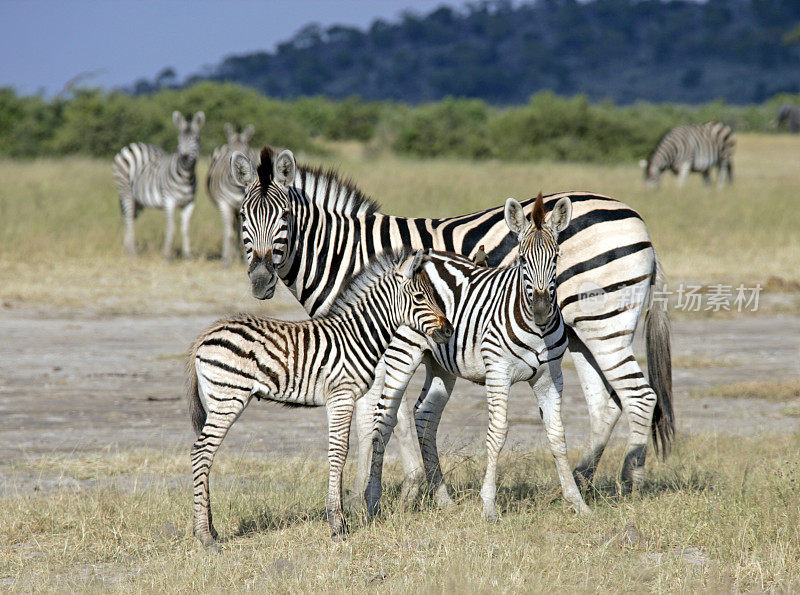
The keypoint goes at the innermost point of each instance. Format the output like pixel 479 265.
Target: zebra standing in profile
pixel 789 116
pixel 147 176
pixel 328 229
pixel 224 192
pixel 508 329
pixel 692 148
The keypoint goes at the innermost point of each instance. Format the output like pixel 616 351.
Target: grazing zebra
pixel 508 329
pixel 327 230
pixel 224 192
pixel 789 116
pixel 147 176
pixel 692 148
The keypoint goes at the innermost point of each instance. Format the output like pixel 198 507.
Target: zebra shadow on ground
pixel 263 521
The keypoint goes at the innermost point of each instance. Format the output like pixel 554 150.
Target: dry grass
pixel 61 233
pixel 785 390
pixel 721 514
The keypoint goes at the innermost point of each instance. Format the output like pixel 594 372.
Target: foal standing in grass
pixel 327 361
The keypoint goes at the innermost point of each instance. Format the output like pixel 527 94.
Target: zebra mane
pixel 336 194
pixel 360 284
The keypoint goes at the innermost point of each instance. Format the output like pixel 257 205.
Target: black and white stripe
pixel 693 149
pixel 328 361
pixel 147 176
pixel 508 329
pixel 327 230
pixel 223 191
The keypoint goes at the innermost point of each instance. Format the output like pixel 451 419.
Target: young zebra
pixel 327 361
pixel 224 192
pixel 508 329
pixel 147 176
pixel 692 148
pixel 328 229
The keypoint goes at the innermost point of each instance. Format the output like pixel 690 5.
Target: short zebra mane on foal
pixel 334 193
pixel 362 283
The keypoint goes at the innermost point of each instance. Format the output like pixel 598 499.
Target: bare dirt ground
pixel 74 382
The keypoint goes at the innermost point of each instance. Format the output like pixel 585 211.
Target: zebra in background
pixel 508 329
pixel 224 192
pixel 692 148
pixel 329 361
pixel 147 176
pixel 328 229
pixel 789 116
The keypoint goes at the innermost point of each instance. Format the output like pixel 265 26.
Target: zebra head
pixel 418 303
pixel 265 214
pixel 237 141
pixel 538 250
pixel 188 138
pixel 652 173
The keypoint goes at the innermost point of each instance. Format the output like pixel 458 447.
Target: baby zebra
pixel 327 361
pixel 146 176
pixel 223 190
pixel 508 329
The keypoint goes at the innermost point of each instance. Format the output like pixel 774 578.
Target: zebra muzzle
pixel 542 308
pixel 262 279
pixel 442 334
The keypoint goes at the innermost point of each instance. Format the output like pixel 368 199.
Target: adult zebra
pixel 328 229
pixel 692 148
pixel 147 176
pixel 223 191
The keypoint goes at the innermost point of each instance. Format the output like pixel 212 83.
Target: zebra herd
pixel 147 176
pixel 387 294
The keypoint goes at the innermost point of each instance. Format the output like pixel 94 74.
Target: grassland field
pixel 721 514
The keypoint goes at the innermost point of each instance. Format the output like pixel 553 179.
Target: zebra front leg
pixel 339 406
pixel 365 411
pixel 186 217
pixel 169 232
pixel 128 208
pixel 226 214
pixel 548 388
pixel 497 387
pixel 683 172
pixel 402 359
pixel 435 394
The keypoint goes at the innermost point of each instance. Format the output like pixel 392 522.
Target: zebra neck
pixel 324 249
pixel 186 173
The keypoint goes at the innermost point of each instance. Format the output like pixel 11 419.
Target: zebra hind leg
pixel 169 232
pixel 127 205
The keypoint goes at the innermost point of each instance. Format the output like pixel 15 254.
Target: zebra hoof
pixel 443 499
pixel 491 517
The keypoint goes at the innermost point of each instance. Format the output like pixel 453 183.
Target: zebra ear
pixel 561 215
pixel 248 133
pixel 412 264
pixel 242 169
pixel 229 132
pixel 178 120
pixel 643 163
pixel 285 168
pixel 515 216
pixel 198 121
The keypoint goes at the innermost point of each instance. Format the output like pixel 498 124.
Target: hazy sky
pixel 45 43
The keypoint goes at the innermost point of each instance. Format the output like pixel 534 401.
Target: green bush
pixel 99 123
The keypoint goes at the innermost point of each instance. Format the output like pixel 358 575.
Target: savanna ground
pixel 95 488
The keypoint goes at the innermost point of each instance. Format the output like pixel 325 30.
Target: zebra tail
pixel 196 409
pixel 659 365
